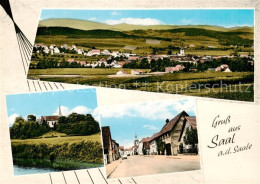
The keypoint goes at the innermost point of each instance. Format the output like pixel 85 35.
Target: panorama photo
pixel 150 138
pixel 54 131
pixel 198 52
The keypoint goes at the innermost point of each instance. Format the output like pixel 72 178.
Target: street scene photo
pixel 54 131
pixel 150 138
pixel 196 52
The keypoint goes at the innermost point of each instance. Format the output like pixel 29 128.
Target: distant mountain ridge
pixel 90 25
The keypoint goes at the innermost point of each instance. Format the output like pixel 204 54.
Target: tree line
pixel 236 64
pixel 74 124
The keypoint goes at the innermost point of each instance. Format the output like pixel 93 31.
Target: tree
pixel 191 138
pixel 31 117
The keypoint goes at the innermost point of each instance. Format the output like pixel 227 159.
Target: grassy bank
pixel 84 151
pixel 59 164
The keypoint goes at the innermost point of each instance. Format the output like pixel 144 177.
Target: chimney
pixel 167 121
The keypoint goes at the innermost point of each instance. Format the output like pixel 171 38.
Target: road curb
pixel 113 169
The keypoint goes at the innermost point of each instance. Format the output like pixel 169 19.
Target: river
pixel 30 170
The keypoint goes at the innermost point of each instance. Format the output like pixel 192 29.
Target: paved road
pixel 146 165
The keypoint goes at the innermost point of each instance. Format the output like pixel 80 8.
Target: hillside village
pixel 115 59
pixel 170 140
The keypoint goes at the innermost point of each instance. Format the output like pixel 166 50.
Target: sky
pixel 81 101
pixel 218 17
pixel 142 119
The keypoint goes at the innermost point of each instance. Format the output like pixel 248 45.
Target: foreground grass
pixel 174 83
pixel 58 140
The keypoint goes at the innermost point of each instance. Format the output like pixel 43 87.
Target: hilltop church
pixel 51 120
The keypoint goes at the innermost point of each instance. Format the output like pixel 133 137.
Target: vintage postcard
pixel 54 131
pixel 150 138
pixel 199 52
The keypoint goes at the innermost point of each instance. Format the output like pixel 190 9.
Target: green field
pixel 175 83
pixel 58 138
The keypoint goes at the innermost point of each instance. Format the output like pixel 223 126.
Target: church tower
pixel 136 141
pixel 60 114
pixel 182 50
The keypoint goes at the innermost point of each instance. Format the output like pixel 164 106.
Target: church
pixel 181 51
pixel 51 120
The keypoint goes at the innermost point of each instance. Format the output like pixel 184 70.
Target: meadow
pixel 56 138
pixel 174 83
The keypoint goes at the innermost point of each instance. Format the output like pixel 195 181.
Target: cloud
pixel 150 127
pixel 114 13
pixel 127 143
pixel 12 118
pixel 135 21
pixel 187 21
pixel 151 111
pixel 78 109
pixel 92 18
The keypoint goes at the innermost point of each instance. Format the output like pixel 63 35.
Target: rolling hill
pixel 90 25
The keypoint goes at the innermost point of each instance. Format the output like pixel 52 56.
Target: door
pixel 168 149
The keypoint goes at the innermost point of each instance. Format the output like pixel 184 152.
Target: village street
pixel 143 165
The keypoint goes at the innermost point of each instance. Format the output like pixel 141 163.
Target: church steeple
pixel 60 114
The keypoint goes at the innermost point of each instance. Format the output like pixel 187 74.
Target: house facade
pixel 107 145
pixel 170 139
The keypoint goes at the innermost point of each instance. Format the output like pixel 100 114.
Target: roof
pixel 192 121
pixel 146 139
pixel 169 126
pixel 50 118
pixel 106 135
pixel 121 148
pixel 129 149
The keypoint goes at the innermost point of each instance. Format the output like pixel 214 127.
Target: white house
pixel 56 50
pixel 227 70
pixel 129 151
pixel 115 53
pixel 79 51
pixel 121 73
pixel 105 52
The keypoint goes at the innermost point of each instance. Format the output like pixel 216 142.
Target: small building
pixel 218 69
pixel 95 51
pixel 227 70
pixel 177 68
pixel 137 72
pixel 105 52
pixel 56 50
pixel 121 73
pixel 132 58
pixel 211 69
pixel 121 151
pixel 224 66
pixel 129 151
